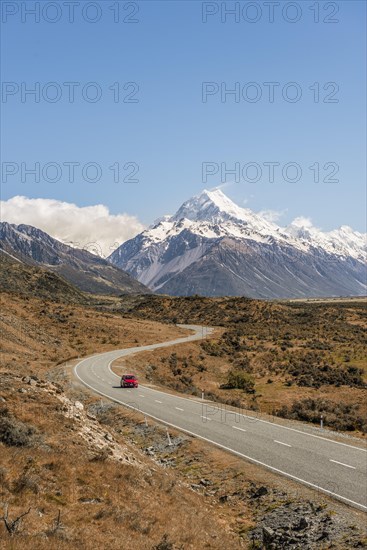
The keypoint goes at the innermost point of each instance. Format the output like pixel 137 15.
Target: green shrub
pixel 338 415
pixel 239 380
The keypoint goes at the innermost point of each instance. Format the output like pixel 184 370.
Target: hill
pixel 86 271
pixel 32 281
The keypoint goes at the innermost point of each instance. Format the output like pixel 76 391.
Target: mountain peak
pixel 213 247
pixel 220 199
pixel 215 194
pixel 213 206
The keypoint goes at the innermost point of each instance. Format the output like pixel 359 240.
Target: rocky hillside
pixel 86 271
pixel 29 281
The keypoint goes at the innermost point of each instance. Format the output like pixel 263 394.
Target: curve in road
pixel 332 467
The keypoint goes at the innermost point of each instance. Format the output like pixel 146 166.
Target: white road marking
pixel 206 418
pixel 178 408
pixel 127 351
pixel 141 395
pixel 342 464
pixel 281 443
pixel 156 400
pixel 236 428
pixel 219 445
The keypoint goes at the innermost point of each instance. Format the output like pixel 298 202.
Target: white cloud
pixel 92 227
pixel 302 221
pixel 222 186
pixel 272 215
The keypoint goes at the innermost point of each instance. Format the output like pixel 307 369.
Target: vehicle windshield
pixel 128 376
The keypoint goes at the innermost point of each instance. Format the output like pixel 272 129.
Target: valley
pixel 47 417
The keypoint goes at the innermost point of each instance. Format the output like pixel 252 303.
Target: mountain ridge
pixel 271 262
pixel 86 271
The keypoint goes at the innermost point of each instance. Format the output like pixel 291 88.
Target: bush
pixel 165 544
pixel 340 416
pixel 243 364
pixel 239 380
pixel 311 370
pixel 26 482
pixel 15 433
pixel 212 348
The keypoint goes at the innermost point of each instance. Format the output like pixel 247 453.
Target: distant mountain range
pixel 213 247
pixel 86 271
pixel 210 247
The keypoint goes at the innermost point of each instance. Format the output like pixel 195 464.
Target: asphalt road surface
pixel 335 468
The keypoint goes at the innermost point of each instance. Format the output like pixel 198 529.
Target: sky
pixel 132 112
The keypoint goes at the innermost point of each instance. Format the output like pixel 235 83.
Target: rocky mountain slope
pixel 27 281
pixel 213 247
pixel 88 272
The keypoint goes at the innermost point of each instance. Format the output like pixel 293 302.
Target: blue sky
pixel 169 132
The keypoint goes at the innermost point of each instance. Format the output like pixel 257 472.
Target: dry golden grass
pixel 102 502
pixel 35 334
pixel 283 346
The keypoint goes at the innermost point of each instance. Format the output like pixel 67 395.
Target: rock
pixel 297 526
pixel 149 451
pixel 108 437
pixel 90 500
pixel 205 482
pixel 78 405
pixel 26 379
pixel 301 525
pixel 324 535
pixel 22 390
pixel 326 519
pixel 268 534
pixel 261 491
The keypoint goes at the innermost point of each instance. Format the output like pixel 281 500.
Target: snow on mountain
pixel 342 242
pixel 210 226
pixel 216 208
pixel 211 215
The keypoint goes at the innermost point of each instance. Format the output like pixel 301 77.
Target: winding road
pixel 332 467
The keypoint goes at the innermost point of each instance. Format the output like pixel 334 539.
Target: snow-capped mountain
pixel 213 247
pixel 343 241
